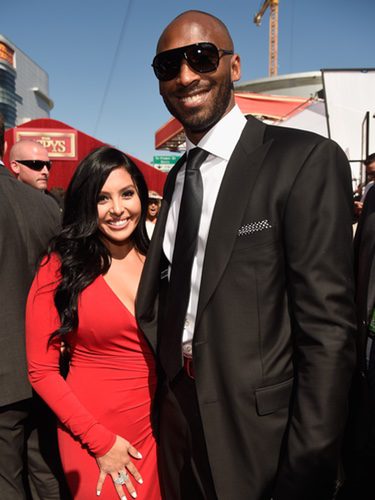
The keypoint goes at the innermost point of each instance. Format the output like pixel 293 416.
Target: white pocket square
pixel 254 227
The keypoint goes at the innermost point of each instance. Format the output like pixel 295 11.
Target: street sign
pixel 165 160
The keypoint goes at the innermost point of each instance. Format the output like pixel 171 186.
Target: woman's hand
pixel 117 463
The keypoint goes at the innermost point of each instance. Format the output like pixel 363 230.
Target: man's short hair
pixel 369 159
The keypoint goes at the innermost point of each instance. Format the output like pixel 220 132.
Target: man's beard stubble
pixel 208 117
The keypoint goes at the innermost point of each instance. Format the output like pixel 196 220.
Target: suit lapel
pixel 233 197
pixel 237 185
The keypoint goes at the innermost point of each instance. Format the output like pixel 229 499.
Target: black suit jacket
pixel 360 437
pixel 364 245
pixel 273 346
pixel 28 219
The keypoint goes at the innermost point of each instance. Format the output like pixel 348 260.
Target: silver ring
pixel 121 479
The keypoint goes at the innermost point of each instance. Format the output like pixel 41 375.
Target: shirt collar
pixel 221 139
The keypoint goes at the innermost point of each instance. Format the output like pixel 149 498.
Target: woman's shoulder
pixel 49 270
pixel 51 262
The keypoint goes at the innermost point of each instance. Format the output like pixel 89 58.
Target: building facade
pixel 23 86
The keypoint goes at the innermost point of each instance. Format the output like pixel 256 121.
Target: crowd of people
pixel 207 344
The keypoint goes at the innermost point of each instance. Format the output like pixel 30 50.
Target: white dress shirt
pixel 220 142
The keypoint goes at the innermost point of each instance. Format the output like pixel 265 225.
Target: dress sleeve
pixel 44 359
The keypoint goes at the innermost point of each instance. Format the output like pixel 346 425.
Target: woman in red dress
pixel 83 296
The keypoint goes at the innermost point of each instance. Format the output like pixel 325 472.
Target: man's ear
pixel 15 168
pixel 235 68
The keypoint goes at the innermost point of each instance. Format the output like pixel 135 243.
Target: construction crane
pixel 273 34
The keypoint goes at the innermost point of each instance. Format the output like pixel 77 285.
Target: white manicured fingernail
pixel 139 455
pixel 134 494
pixel 98 493
pixel 123 498
pixel 140 481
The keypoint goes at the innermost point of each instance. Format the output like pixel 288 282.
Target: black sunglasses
pixel 202 57
pixel 37 165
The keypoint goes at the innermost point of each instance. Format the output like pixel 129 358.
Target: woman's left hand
pixel 117 463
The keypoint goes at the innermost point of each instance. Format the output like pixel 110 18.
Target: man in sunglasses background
pixel 30 163
pixel 258 355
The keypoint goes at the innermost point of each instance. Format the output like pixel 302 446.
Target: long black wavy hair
pixel 82 253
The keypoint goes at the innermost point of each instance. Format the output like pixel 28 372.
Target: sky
pixel 98 53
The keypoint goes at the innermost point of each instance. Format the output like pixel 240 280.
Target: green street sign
pixel 165 160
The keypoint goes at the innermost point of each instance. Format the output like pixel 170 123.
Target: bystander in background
pixel 31 165
pixel 359 450
pixel 154 203
pixel 363 190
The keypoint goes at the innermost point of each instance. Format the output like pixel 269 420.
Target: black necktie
pixel 183 255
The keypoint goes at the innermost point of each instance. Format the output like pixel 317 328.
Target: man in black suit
pixel 29 462
pixel 359 450
pixel 257 371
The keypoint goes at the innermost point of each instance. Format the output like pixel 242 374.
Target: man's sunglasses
pixel 202 57
pixel 37 165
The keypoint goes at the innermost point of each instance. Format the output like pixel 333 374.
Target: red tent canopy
pixel 275 107
pixel 67 147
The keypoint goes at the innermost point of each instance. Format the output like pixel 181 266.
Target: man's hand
pixel 358 206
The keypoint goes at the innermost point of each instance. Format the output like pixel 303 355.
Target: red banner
pixel 59 144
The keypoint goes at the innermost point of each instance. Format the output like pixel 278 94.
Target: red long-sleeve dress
pixel 109 387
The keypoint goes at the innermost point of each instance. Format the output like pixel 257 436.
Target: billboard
pixel 60 144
